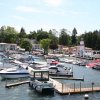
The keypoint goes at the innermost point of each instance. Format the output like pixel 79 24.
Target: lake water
pixel 23 92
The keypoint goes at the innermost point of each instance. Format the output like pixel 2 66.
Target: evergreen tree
pixel 73 37
pixel 64 38
pixel 22 33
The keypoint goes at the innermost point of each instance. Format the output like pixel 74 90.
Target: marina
pixel 79 84
pixel 69 88
pixel 50 50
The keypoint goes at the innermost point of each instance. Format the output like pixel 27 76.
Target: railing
pixel 77 87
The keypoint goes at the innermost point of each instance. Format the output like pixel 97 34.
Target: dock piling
pixel 62 87
pixel 74 87
pixel 80 86
pixel 92 86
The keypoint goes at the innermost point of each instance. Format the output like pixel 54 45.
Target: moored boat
pixel 39 81
pixel 97 67
pixel 60 70
pixel 93 63
pixel 14 72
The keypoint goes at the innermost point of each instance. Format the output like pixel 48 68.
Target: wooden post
pixel 80 86
pixel 92 86
pixel 62 87
pixel 6 82
pixel 72 70
pixel 74 87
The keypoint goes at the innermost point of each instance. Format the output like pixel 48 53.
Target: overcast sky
pixel 84 15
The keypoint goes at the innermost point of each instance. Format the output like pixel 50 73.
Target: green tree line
pixel 10 35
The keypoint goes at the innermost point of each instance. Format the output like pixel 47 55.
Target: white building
pixel 36 47
pixel 3 47
pixel 7 47
pixel 80 49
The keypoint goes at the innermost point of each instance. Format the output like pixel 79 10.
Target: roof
pixel 39 71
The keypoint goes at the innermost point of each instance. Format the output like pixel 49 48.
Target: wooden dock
pixel 16 84
pixel 63 88
pixel 67 78
pixel 71 88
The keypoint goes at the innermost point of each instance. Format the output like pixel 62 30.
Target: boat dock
pixel 16 84
pixel 72 88
pixel 64 88
pixel 67 78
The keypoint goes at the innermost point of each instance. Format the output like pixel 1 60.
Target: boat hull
pixel 45 90
pixel 96 67
pixel 42 89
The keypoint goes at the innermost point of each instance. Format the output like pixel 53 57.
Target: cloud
pixel 27 9
pixel 19 18
pixel 54 3
pixel 62 12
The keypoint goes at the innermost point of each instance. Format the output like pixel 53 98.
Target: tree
pixel 64 38
pixel 26 44
pixel 42 35
pixel 11 38
pixel 92 39
pixel 32 35
pixel 73 37
pixel 97 46
pixel 45 45
pixel 54 42
pixel 22 33
pixel 54 32
pixel 8 34
pixel 2 35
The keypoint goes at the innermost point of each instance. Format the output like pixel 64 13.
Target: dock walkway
pixel 64 88
pixel 67 78
pixel 16 84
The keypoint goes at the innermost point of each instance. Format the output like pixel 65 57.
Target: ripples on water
pixel 23 92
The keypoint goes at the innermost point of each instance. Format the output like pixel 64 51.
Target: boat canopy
pixel 41 75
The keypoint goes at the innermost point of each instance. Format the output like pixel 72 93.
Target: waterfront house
pixel 4 47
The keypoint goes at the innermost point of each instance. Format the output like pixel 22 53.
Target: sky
pixel 32 15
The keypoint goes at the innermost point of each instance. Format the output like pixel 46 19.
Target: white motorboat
pixel 14 72
pixel 60 70
pixel 40 82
